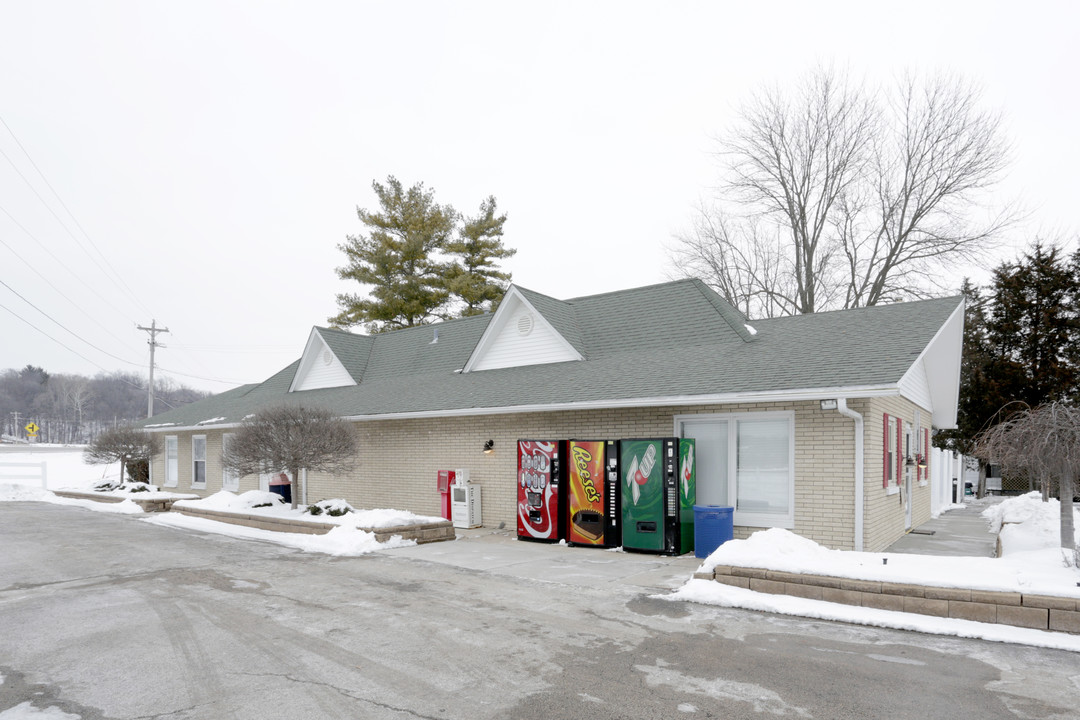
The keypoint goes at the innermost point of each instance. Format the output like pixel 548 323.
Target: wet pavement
pixel 961 532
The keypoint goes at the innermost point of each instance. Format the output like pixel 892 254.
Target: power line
pixel 90 240
pixel 59 261
pixel 58 290
pixel 63 327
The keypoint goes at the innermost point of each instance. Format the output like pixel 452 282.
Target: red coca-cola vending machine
pixel 542 498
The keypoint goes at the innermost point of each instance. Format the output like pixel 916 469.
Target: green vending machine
pixel 687 495
pixel 658 494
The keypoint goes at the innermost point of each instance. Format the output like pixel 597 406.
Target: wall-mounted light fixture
pixel 920 461
pixel 828 404
pixel 489 447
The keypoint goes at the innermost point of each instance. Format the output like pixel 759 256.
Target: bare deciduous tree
pixel 837 196
pixel 124 444
pixel 292 438
pixel 1044 442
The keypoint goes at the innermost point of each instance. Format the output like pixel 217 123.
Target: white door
pixel 710 458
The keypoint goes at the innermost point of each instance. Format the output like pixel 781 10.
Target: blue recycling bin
pixel 713 526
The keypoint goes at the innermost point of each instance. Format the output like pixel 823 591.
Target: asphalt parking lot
pixel 104 616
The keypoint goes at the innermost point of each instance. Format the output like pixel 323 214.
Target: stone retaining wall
pixel 148 505
pixel 422 533
pixel 1043 612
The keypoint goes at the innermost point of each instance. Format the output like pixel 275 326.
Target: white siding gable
pixel 519 335
pixel 914 385
pixel 933 380
pixel 319 367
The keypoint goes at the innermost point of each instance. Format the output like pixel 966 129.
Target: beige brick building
pixel 817 423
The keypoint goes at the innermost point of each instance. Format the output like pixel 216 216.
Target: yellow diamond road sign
pixel 31 429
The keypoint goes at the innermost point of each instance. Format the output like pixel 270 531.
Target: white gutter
pixel 823 393
pixel 843 409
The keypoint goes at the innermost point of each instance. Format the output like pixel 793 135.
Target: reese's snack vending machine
pixel 593 517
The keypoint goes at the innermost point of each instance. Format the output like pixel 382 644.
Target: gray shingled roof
pixel 677 339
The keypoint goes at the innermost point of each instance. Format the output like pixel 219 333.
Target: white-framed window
pixel 745 461
pixel 198 461
pixel 229 479
pixel 893 461
pixel 172 461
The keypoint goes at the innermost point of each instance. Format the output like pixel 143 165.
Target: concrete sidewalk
pixel 500 552
pixel 959 532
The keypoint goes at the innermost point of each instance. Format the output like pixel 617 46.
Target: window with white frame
pixel 746 461
pixel 891 460
pixel 230 480
pixel 198 461
pixel 172 461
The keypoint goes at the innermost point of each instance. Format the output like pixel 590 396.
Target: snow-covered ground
pixel 66 470
pixel 1031 562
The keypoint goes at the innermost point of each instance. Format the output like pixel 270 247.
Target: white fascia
pixel 661 401
pixel 835 393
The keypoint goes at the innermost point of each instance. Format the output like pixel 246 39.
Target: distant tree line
pixel 75 408
pixel 1021 344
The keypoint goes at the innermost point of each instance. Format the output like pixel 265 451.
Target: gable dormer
pixel 519 334
pixel 320 367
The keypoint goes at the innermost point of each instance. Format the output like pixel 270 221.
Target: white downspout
pixel 843 409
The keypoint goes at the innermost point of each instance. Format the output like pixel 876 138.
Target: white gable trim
pixel 501 346
pixel 933 380
pixel 319 367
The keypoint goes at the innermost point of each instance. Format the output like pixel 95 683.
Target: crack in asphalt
pixel 342 691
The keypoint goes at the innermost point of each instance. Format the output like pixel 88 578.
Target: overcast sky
pixel 212 154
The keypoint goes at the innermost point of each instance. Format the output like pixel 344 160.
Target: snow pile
pixel 387 517
pixel 714 593
pixel 332 508
pixel 340 541
pixel 1039 570
pixel 1034 571
pixel 249 503
pixel 1026 523
pixel 226 501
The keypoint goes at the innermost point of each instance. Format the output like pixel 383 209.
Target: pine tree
pixel 474 278
pixel 1033 327
pixel 397 259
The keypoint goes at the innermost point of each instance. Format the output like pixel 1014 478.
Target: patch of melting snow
pixel 894 659
pixel 687 708
pixel 26 711
pixel 760 698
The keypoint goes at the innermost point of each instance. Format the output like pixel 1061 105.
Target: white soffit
pixel 936 372
pixel 519 335
pixel 319 367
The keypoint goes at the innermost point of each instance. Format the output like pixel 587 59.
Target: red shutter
pixel 899 451
pixel 885 454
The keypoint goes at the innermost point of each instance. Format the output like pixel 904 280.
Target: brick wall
pixel 884 522
pixel 399 460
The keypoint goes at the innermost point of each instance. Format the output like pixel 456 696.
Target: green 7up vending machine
pixel 658 495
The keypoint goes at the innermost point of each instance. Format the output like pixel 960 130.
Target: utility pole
pixel 153 343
